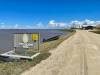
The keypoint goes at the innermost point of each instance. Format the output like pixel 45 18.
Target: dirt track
pixel 78 55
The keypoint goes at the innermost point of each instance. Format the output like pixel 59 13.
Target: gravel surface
pixel 78 55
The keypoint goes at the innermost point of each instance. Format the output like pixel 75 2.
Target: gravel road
pixel 78 55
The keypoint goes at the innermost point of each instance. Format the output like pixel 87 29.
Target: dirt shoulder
pixel 78 55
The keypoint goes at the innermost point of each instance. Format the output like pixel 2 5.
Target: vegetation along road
pixel 78 55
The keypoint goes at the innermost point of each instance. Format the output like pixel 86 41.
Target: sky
pixel 43 13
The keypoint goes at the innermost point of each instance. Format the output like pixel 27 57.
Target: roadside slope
pixel 78 55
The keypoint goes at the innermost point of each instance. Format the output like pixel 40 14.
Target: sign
pixel 27 41
pixel 35 37
pixel 25 44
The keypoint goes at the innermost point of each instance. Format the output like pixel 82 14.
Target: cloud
pixel 40 25
pixel 2 26
pixel 88 22
pixel 85 22
pixel 52 23
pixel 97 22
pixel 16 26
pixel 76 22
pixel 61 24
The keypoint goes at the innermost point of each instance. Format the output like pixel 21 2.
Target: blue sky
pixel 39 12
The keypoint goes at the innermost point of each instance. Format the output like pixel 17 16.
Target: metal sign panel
pixel 26 41
pixel 35 37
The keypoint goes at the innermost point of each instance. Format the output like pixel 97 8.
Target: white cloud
pixel 52 23
pixel 16 26
pixel 40 25
pixel 61 24
pixel 85 22
pixel 97 22
pixel 88 22
pixel 2 26
pixel 76 22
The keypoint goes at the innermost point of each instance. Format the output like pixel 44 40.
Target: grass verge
pixel 15 68
pixel 97 31
pixel 45 47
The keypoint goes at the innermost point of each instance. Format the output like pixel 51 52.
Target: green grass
pixel 15 68
pixel 45 47
pixel 67 30
pixel 27 53
pixel 97 31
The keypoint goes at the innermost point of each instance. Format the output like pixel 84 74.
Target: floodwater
pixel 6 36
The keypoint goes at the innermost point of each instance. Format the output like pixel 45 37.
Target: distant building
pixel 88 27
